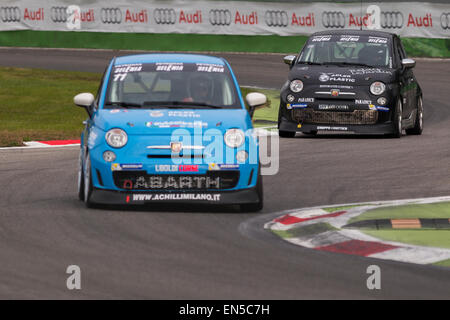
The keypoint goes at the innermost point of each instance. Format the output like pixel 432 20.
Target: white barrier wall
pixel 430 20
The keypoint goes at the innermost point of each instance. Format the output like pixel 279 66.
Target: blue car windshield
pixel 344 50
pixel 171 85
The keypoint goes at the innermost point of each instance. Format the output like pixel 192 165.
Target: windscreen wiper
pixel 179 104
pixel 349 64
pixel 310 63
pixel 123 104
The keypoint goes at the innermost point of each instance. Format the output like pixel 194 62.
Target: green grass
pixel 444 263
pixel 334 209
pixel 422 237
pixel 428 238
pixel 38 104
pixel 415 47
pixel 304 231
pixel 268 115
pixel 432 210
pixel 150 41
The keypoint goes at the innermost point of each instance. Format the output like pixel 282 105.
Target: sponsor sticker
pixel 338 77
pixel 321 38
pixel 168 67
pixel 333 107
pixel 305 99
pixel 156 114
pixel 176 168
pixel 215 166
pixel 206 67
pixel 173 197
pixel 126 166
pixel 184 114
pixel 380 108
pixel 297 105
pixel 329 128
pixel 176 124
pixel 362 101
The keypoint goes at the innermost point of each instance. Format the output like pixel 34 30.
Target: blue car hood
pixel 165 121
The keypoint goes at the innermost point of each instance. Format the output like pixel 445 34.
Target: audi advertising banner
pixel 416 19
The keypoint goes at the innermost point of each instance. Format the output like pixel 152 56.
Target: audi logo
pixel 58 14
pixel 333 19
pixel 220 17
pixel 445 21
pixel 165 16
pixel 111 15
pixel 275 18
pixel 391 20
pixel 10 14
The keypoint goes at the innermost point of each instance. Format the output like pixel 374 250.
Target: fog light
pixel 109 156
pixel 382 101
pixel 290 98
pixel 241 156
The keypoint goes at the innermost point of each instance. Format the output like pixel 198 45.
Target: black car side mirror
pixel 408 63
pixel 289 60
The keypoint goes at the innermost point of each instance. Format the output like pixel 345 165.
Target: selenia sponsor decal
pixel 225 166
pixel 174 197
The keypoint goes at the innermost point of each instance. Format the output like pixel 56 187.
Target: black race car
pixel 351 81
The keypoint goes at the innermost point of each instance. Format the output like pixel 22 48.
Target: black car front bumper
pixel 380 128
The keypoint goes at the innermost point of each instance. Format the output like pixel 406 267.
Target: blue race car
pixel 169 128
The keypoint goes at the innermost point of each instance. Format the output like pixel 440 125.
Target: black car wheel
pixel 311 133
pixel 255 207
pixel 398 129
pixel 80 178
pixel 282 133
pixel 418 124
pixel 286 134
pixel 87 181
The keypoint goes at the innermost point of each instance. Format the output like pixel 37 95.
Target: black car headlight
pixel 296 85
pixel 377 88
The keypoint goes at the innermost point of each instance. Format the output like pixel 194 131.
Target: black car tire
pixel 87 177
pixel 310 133
pixel 286 134
pixel 80 179
pixel 255 207
pixel 418 124
pixel 398 129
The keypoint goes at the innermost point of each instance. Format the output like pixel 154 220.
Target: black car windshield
pixel 347 50
pixel 171 85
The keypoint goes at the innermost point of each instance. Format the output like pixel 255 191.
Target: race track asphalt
pixel 213 253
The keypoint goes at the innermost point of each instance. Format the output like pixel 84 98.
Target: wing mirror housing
pixel 84 100
pixel 408 63
pixel 255 100
pixel 289 60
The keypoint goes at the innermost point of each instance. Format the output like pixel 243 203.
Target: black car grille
pixel 333 117
pixel 140 180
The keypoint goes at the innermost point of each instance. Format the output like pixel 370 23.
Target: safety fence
pixel 426 20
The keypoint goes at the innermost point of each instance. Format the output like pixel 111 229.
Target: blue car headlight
pixel 234 138
pixel 116 138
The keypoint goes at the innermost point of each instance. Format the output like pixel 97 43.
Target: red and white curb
pixel 52 143
pixel 350 241
pixel 45 144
